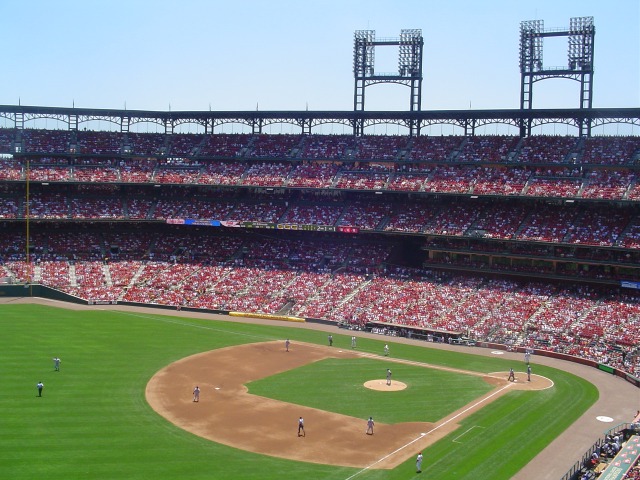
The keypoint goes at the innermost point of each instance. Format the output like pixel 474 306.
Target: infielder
pixel 370 425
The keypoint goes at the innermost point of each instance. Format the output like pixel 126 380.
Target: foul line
pixel 425 365
pixel 437 427
pixel 386 456
pixel 455 440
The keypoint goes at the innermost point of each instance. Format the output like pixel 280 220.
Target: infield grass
pixel 337 386
pixel 93 420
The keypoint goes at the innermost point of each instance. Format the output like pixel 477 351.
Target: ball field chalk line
pixel 437 427
pixel 386 456
pixel 455 440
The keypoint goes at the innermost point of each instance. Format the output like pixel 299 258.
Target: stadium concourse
pixel 552 462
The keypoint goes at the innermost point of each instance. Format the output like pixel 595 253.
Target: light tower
pixel 581 36
pixel 409 71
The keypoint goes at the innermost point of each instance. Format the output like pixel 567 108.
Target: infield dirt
pixel 228 414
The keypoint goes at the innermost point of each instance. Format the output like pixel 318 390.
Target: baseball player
pixel 419 463
pixel 370 425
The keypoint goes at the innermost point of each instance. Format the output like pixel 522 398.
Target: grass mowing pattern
pixel 337 386
pixel 93 420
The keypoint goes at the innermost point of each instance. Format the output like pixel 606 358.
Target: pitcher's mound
pixel 382 386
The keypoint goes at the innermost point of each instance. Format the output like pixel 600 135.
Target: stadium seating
pixel 458 208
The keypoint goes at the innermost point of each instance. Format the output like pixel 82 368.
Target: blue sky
pixel 292 55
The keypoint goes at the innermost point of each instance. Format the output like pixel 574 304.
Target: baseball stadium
pixel 187 287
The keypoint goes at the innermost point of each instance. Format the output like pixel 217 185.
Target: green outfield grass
pixel 93 420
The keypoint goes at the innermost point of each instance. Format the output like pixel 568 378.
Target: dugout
pixel 420 333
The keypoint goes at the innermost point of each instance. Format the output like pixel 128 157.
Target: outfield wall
pixel 569 358
pixel 36 290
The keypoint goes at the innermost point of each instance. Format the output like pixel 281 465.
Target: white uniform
pixel 527 356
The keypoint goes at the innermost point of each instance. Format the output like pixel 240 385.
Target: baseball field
pixel 121 405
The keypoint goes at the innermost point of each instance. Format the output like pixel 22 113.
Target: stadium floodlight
pixel 364 52
pixel 410 54
pixel 580 44
pixel 410 47
pixel 531 45
pixel 580 47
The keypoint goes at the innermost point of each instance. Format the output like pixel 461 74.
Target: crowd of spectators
pixel 547 149
pixel 366 216
pixel 487 149
pixel 610 150
pixel 184 144
pixel 274 146
pixel 379 147
pixel 491 149
pixel 330 280
pixel 267 174
pixel 222 173
pixel 434 149
pixel 224 145
pixel 146 144
pixel 326 147
pixel 352 281
pixel 93 142
pixel 313 175
pixel 46 141
pixel 7 140
pixel 597 225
